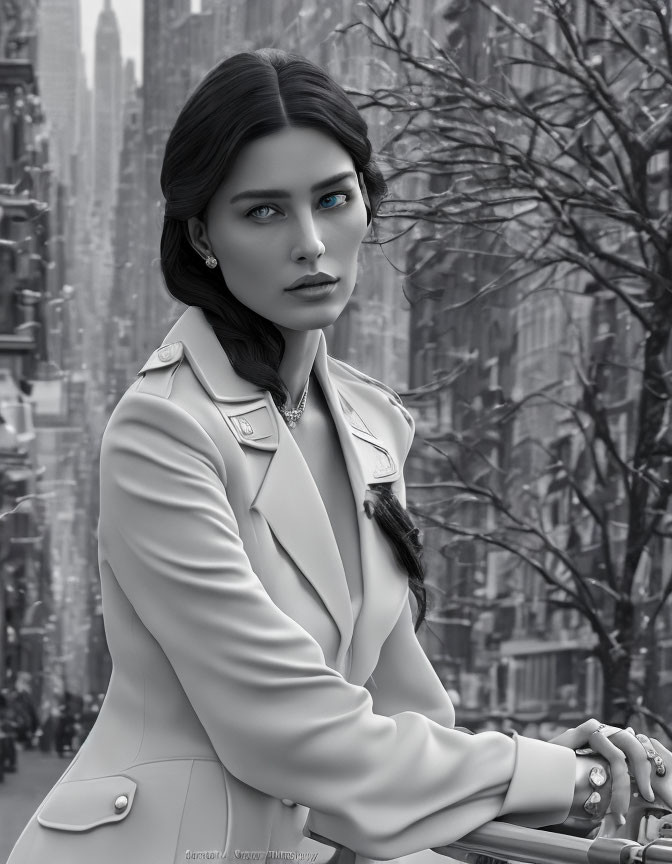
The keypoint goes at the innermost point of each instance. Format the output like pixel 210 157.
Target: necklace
pixel 293 415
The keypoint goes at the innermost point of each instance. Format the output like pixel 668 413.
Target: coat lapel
pixel 290 502
pixel 369 461
pixel 287 496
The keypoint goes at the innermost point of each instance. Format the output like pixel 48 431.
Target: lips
pixel 316 279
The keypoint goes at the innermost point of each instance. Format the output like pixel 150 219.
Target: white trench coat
pixel 247 710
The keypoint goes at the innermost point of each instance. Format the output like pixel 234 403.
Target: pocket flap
pixel 79 805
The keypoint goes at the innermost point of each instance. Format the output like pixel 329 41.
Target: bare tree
pixel 538 136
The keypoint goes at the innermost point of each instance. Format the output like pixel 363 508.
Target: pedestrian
pixel 65 726
pixel 268 684
pixel 8 751
pixel 25 714
pixel 90 711
pixel 47 727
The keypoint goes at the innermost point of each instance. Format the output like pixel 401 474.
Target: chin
pixel 313 323
pixel 316 317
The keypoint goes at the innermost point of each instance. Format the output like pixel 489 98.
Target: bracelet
pixel 597 778
pixel 592 791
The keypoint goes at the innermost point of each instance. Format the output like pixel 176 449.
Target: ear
pixel 198 235
pixel 365 196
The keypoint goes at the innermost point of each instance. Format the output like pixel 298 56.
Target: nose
pixel 307 246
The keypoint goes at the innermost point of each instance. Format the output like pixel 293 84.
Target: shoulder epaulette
pixel 164 356
pixel 162 365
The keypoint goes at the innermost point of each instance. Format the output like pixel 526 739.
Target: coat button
pixel 167 352
pixel 121 803
pixel 288 803
pixel 245 426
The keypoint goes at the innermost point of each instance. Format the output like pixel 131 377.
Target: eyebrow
pixel 283 193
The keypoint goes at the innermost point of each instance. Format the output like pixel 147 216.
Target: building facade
pixel 58 72
pixel 497 384
pixel 41 395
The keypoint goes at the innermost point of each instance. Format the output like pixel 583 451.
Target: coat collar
pixel 303 527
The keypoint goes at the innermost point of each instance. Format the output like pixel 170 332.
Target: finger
pixel 610 826
pixel 645 741
pixel 578 736
pixel 660 760
pixel 662 750
pixel 664 779
pixel 651 754
pixel 638 760
pixel 610 731
pixel 620 778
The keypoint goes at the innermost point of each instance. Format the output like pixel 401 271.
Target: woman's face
pixel 291 208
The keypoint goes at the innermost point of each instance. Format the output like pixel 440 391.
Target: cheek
pixel 361 227
pixel 244 256
pixel 353 230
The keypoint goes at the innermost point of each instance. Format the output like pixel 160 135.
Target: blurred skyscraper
pixel 108 101
pixel 59 47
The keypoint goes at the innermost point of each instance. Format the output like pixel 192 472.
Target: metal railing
pixel 516 843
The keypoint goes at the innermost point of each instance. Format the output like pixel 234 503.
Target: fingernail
pixel 621 820
pixel 650 796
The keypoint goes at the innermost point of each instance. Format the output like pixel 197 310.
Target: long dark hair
pixel 241 99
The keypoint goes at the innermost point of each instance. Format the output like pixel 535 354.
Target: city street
pixel 22 792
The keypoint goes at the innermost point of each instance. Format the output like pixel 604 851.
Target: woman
pixel 256 558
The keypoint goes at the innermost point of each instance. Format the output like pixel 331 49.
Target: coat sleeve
pixel 381 786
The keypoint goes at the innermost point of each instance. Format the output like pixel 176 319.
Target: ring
pixel 651 754
pixel 597 777
pixel 661 770
pixel 646 744
pixel 592 804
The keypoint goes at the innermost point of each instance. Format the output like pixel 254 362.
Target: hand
pixel 660 783
pixel 638 826
pixel 615 745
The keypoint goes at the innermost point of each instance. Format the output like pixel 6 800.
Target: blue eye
pixel 262 212
pixel 265 212
pixel 334 199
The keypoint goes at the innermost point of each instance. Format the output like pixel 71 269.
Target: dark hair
pixel 243 98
